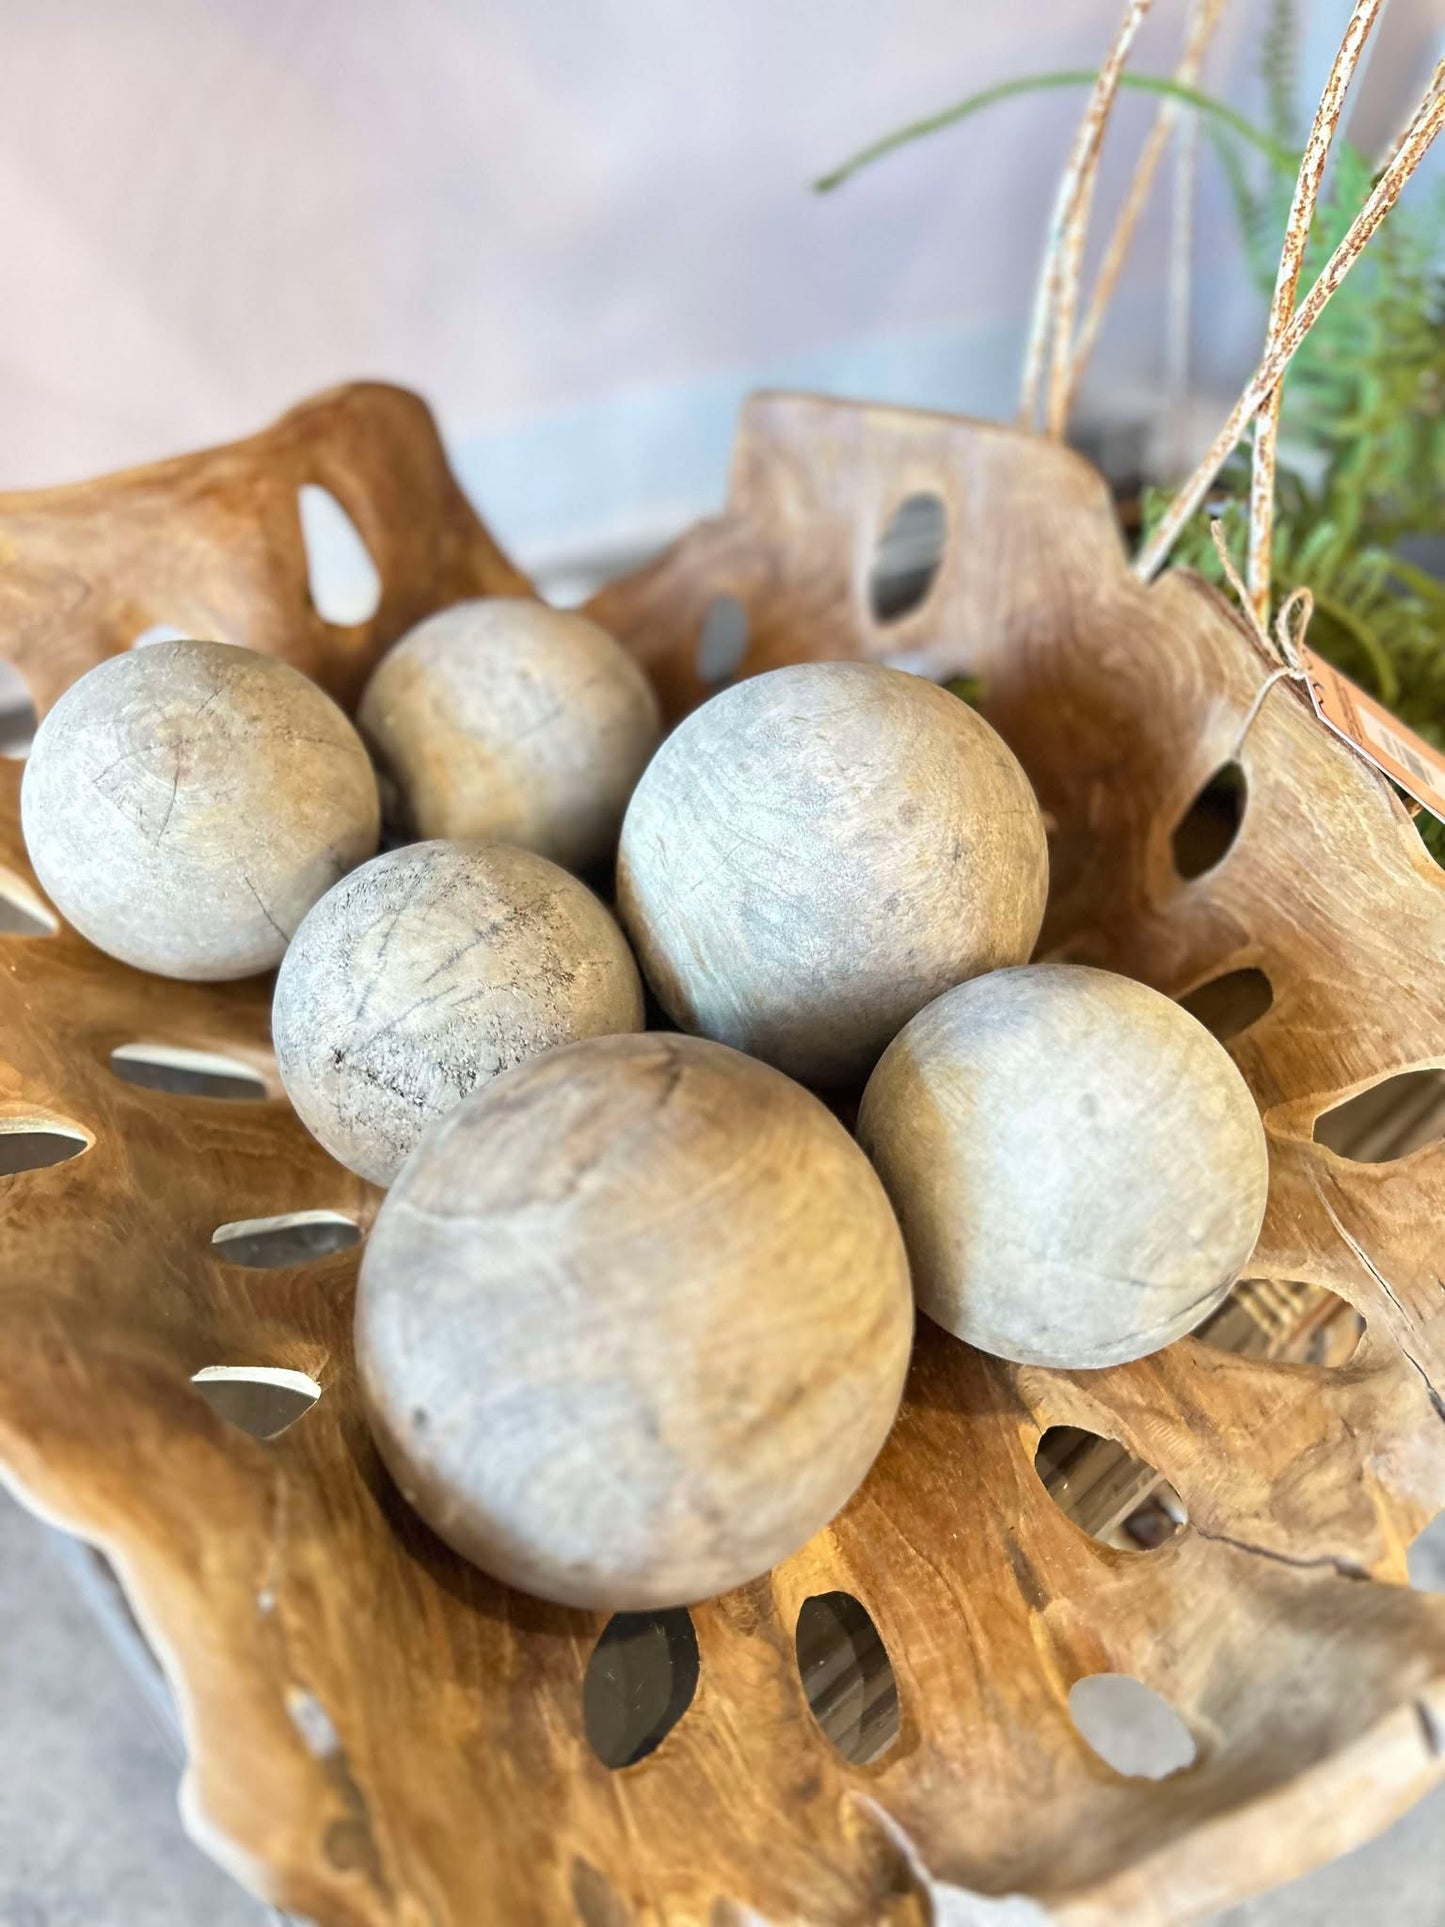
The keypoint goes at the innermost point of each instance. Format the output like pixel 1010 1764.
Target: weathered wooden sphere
pixel 633 1322
pixel 816 853
pixel 510 721
pixel 1078 1167
pixel 185 804
pixel 425 973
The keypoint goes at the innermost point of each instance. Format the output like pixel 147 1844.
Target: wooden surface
pixel 185 806
pixel 211 544
pixel 814 856
pixel 392 1005
pixel 378 1733
pixel 634 1323
pixel 514 723
pixel 1078 1166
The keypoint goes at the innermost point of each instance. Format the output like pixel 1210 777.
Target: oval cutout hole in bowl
pixel 596 1901
pixel 1229 1004
pixel 847 1675
pixel 1426 1558
pixel 18 721
pixel 1072 847
pixel 908 557
pixel 261 1399
pixel 722 641
pixel 297 1238
pixel 161 632
pixel 1284 1320
pixel 640 1681
pixel 1117 1499
pixel 1388 1120
pixel 18 725
pixel 186 1073
pixel 23 912
pixel 1205 833
pixel 1132 1728
pixel 345 587
pixel 34 1147
pixel 1431 832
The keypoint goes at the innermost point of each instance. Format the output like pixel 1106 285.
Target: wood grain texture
pixel 426 973
pixel 185 805
pixel 816 854
pixel 458 1783
pixel 514 722
pixel 211 544
pixel 1078 1167
pixel 634 1322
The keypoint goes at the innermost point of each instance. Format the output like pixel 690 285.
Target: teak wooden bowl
pixel 377 1732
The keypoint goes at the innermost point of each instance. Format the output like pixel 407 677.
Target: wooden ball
pixel 633 1323
pixel 816 853
pixel 510 721
pixel 185 804
pixel 1079 1169
pixel 425 973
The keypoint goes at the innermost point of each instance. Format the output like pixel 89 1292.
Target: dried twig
pixel 1433 87
pixel 1425 125
pixel 1291 261
pixel 1179 304
pixel 1058 284
pixel 1076 228
pixel 1204 19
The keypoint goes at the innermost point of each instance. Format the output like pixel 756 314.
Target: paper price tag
pixel 1404 757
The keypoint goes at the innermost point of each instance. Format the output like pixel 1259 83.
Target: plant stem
pixel 1159 84
pixel 1387 683
pixel 1291 261
pixel 1428 120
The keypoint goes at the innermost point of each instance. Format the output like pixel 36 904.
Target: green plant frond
pixel 1378 616
pixel 1219 111
pixel 1427 587
pixel 1365 634
pixel 1248 201
pixel 968 689
pixel 1364 401
pixel 1279 69
pixel 1366 395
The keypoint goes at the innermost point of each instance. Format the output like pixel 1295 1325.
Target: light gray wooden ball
pixel 1078 1167
pixel 514 722
pixel 184 805
pixel 816 853
pixel 425 973
pixel 633 1322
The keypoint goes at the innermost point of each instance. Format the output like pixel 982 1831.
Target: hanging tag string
pixel 1280 650
pixel 1290 626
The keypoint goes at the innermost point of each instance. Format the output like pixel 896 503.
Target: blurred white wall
pixel 581 227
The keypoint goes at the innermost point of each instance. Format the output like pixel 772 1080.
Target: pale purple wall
pixel 536 211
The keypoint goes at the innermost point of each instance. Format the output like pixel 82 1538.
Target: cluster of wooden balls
pixel 635 1315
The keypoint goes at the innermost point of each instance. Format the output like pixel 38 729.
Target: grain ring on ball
pixel 1078 1166
pixel 506 720
pixel 817 852
pixel 426 973
pixel 634 1322
pixel 185 804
